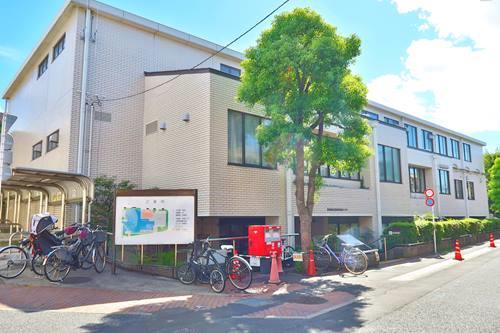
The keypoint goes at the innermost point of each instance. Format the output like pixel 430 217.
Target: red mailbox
pixel 262 239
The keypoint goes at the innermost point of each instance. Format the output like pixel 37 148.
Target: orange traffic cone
pixel 274 277
pixel 280 264
pixel 458 255
pixel 311 267
pixel 492 240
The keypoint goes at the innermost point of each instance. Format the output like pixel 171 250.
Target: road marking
pixel 422 272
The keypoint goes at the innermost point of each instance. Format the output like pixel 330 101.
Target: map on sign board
pixel 154 220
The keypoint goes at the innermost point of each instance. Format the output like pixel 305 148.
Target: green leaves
pixel 494 186
pixel 299 70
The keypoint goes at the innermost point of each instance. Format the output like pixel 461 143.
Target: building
pixel 80 108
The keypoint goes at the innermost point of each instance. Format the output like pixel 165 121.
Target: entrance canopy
pixel 51 187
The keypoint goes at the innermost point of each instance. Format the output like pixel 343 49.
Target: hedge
pixel 422 230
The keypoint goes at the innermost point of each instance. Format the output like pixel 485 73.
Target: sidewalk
pixel 134 293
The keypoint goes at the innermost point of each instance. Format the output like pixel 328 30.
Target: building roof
pixel 121 16
pixel 423 122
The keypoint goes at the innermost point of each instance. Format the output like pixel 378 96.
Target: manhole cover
pixel 307 300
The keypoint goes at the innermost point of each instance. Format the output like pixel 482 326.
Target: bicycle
pixel 15 258
pixel 286 253
pixel 204 266
pixel 353 259
pixel 87 248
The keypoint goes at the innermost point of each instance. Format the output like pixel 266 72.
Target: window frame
pixel 61 41
pixel 407 127
pixel 455 182
pixel 447 182
pixel 467 152
pixel 391 121
pixel 370 115
pixel 425 138
pixel 440 141
pixel 457 155
pixel 229 69
pixel 416 171
pixel 44 64
pixel 471 195
pixel 49 147
pixel 39 151
pixel 384 178
pixel 243 160
pixel 356 176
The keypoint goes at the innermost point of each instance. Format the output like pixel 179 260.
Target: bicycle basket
pixel 65 255
pixel 99 236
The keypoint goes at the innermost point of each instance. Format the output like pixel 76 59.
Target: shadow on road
pixel 230 317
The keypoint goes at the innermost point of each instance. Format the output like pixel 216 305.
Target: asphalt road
pixel 424 295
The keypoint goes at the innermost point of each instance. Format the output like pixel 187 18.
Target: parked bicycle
pixel 87 251
pixel 353 259
pixel 210 266
pixel 287 252
pixel 14 259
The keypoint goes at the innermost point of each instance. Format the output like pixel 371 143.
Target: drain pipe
pixel 83 95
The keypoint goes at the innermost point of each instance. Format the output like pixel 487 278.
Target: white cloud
pixel 9 53
pixel 459 68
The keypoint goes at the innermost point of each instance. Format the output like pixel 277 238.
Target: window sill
pixel 251 166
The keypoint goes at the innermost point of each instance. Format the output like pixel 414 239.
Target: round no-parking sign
pixel 429 193
pixel 429 202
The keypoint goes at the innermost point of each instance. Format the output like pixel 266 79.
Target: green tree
pixel 104 196
pixel 494 186
pixel 300 72
pixel 489 159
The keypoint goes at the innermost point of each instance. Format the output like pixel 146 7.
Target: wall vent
pixel 102 116
pixel 152 127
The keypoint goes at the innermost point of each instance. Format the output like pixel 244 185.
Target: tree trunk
pixel 305 215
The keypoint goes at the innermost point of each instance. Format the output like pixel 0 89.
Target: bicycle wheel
pixel 355 261
pixel 287 256
pixel 37 264
pixel 217 281
pixel 322 259
pixel 99 258
pixel 239 272
pixel 186 273
pixel 56 269
pixel 13 262
pixel 86 258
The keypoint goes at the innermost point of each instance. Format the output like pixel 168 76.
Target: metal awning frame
pixel 44 182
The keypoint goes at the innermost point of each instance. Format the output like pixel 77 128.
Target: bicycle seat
pixel 226 247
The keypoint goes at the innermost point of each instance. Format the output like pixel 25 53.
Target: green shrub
pixel 425 230
pixel 408 233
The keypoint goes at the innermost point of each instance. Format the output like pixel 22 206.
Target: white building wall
pixel 43 105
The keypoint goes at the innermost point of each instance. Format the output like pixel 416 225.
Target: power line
pixel 201 62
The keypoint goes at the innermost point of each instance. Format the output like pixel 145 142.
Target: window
pixel 391 121
pixel 42 68
pixel 58 48
pixel 442 145
pixel 243 146
pixel 459 189
pixel 470 191
pixel 444 181
pixel 53 141
pixel 369 114
pixel 411 136
pixel 427 140
pixel 389 164
pixel 417 180
pixel 455 149
pixel 330 172
pixel 36 151
pixel 230 70
pixel 467 155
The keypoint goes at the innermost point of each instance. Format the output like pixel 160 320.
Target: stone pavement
pixel 133 293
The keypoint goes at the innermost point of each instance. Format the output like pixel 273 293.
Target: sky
pixel 439 60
